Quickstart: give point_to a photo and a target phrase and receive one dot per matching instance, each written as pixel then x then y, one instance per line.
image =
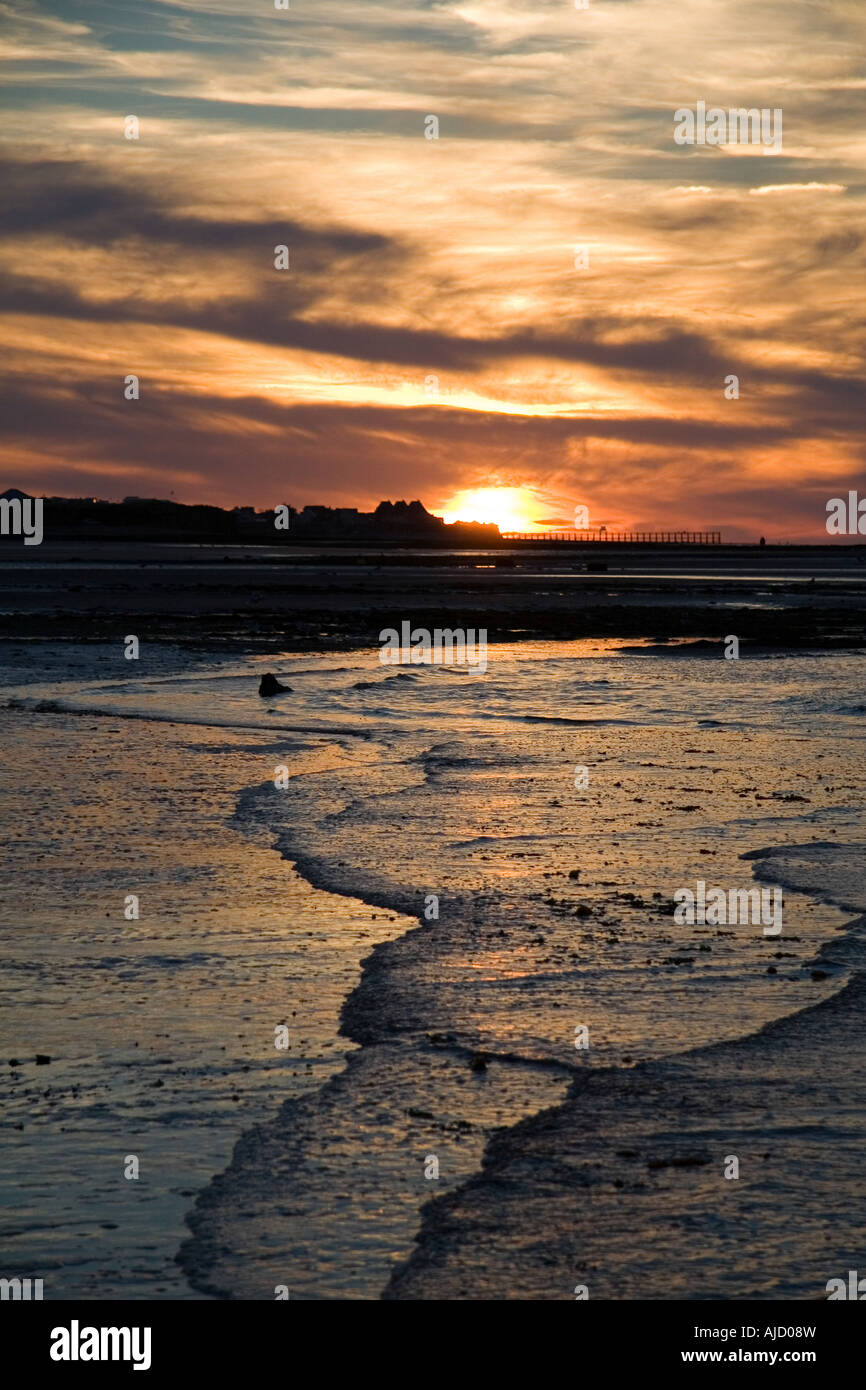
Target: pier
pixel 619 537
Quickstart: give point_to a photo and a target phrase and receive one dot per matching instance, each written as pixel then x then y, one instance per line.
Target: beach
pixel 286 856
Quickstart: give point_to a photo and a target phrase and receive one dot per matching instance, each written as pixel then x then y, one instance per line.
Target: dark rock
pixel 271 686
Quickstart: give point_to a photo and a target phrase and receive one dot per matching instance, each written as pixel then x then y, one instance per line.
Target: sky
pixel 550 298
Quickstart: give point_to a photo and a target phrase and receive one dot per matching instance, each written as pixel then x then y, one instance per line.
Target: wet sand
pixel 467 1022
pixel 623 1188
pixel 429 1039
pixel 159 1030
pixel 292 599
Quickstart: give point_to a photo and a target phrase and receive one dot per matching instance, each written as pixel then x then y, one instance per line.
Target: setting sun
pixel 511 508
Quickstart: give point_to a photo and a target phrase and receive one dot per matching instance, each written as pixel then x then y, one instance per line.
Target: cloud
pixel 798 188
pixel 412 257
pixel 86 207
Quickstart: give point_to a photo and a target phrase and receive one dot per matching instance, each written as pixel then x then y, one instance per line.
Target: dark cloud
pixel 268 319
pixel 167 430
pixel 49 196
pixel 69 198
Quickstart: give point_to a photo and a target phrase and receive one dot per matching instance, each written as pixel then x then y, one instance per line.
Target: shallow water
pixel 156 778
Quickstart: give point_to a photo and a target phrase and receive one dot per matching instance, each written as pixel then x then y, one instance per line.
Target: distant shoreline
pixel 78 539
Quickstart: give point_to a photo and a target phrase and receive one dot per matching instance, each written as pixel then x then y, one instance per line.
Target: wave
pixel 34 705
pixel 626 1179
pixel 428 1003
